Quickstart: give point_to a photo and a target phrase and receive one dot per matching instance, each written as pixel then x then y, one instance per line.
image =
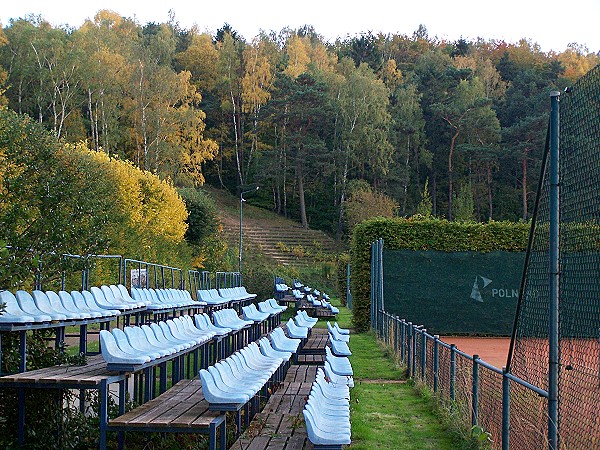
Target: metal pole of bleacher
pixel 242 200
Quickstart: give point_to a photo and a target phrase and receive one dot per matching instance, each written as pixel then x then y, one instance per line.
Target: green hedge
pixel 341 274
pixel 421 233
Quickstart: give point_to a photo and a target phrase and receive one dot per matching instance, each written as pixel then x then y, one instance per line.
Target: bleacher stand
pixel 131 349
pixel 281 289
pixel 243 377
pixel 327 410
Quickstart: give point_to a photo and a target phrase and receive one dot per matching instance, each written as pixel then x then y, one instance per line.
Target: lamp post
pixel 242 200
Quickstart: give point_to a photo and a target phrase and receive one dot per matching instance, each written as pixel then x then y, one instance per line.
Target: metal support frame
pixel 505 410
pixel 475 392
pixel 157 269
pixel 242 200
pixel 554 273
pixel 85 272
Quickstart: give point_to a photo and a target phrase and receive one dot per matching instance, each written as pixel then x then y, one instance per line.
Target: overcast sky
pixel 552 24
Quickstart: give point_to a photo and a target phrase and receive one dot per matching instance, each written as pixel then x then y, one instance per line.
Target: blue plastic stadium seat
pixel 295 331
pixel 30 307
pixel 339 348
pixel 251 313
pixel 282 343
pixel 69 303
pixel 203 322
pixel 333 332
pixel 14 314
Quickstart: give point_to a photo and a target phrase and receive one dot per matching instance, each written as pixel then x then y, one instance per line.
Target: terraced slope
pixel 281 239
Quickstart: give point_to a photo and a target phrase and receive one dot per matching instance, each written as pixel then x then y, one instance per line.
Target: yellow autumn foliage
pixel 148 219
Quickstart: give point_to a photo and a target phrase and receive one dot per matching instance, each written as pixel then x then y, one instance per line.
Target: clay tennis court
pixel 493 350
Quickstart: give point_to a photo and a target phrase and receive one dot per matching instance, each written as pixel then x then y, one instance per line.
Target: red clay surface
pixel 493 350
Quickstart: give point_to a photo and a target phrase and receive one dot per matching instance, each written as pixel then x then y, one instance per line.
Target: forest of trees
pixel 312 122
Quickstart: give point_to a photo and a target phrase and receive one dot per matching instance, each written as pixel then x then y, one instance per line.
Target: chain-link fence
pixel 517 405
pixel 579 280
pixel 476 393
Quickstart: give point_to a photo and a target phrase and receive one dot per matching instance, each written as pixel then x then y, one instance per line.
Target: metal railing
pixel 85 271
pixel 199 281
pixel 163 276
pixel 477 393
pixel 228 279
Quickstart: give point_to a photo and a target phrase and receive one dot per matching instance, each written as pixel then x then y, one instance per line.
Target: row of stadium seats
pixel 327 410
pixel 99 302
pixel 160 299
pixel 299 291
pixel 224 295
pixel 239 377
pixel 236 293
pixel 339 338
pixel 322 303
pixel 282 287
pixel 138 345
pixel 43 307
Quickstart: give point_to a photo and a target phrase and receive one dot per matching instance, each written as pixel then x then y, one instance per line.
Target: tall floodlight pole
pixel 554 253
pixel 242 200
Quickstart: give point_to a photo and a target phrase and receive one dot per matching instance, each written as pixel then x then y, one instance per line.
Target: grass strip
pixel 386 411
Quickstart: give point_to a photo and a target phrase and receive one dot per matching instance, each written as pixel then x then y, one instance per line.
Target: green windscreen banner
pixel 453 293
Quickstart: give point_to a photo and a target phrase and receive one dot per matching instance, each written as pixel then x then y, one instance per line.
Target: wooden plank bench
pixel 280 425
pixel 181 409
pixel 318 360
pixel 322 313
pixel 94 375
pixel 315 345
pixel 287 300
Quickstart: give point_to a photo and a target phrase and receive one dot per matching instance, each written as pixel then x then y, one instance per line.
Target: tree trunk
pixel 433 194
pixel 489 186
pixel 234 117
pixel 343 198
pixel 450 173
pixel 300 178
pixel 92 123
pixel 105 144
pixel 524 185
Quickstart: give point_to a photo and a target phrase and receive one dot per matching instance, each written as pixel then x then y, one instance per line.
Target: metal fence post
pixel 505 411
pixel 395 335
pixel 436 362
pixel 409 348
pixel 372 296
pixel 475 392
pixel 380 285
pixel 554 254
pixel 388 318
pixel 423 353
pixel 414 351
pixel 402 340
pixel 452 369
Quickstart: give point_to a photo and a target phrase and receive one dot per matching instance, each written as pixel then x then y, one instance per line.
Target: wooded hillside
pixel 307 120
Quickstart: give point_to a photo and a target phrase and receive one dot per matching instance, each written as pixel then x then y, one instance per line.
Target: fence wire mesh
pixel 513 406
pixel 490 401
pixel 579 309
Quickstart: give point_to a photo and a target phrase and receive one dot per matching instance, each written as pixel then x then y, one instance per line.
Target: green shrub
pixel 203 220
pixel 423 233
pixel 342 264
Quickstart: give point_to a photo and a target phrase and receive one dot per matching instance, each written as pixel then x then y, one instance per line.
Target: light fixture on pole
pixel 242 200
